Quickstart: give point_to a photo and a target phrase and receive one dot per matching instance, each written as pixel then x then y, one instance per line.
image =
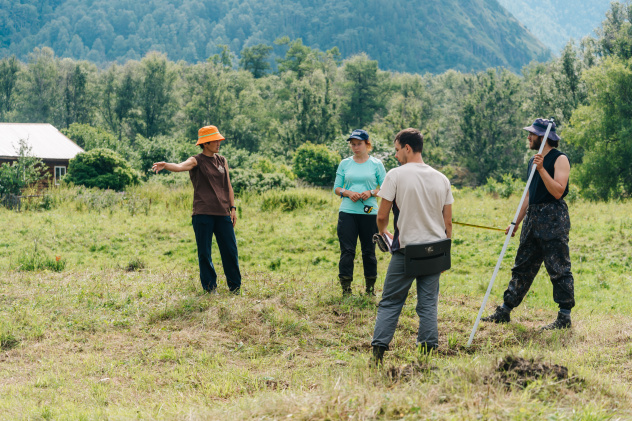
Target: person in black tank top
pixel 213 209
pixel 544 236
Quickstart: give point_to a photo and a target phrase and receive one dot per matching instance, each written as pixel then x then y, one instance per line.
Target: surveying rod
pixel 511 230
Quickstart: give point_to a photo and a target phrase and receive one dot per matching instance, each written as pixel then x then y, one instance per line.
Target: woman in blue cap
pixel 358 179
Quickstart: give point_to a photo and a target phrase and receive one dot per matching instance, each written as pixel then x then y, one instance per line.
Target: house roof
pixel 46 141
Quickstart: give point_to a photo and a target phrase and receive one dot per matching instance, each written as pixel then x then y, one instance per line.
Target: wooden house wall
pixel 49 176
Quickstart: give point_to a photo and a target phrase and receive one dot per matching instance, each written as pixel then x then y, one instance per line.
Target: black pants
pixel 204 227
pixel 544 238
pixel 350 227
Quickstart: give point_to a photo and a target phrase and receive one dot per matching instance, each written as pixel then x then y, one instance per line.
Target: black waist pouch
pixel 428 259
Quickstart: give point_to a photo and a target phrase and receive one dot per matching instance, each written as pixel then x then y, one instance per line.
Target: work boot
pixel 345 283
pixel 370 286
pixel 563 321
pixel 501 315
pixel 378 355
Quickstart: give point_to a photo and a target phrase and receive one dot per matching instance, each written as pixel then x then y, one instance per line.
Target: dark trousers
pixel 204 227
pixel 544 238
pixel 350 227
pixel 396 287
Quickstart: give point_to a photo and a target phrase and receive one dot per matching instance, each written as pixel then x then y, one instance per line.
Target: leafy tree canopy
pixel 400 34
pixel 316 164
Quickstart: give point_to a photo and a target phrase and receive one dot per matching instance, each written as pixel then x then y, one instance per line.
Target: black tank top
pixel 537 190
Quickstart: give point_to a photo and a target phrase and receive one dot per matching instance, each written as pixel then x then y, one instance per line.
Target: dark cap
pixel 539 127
pixel 358 134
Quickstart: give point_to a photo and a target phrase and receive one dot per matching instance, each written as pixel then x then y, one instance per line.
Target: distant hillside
pixel 403 35
pixel 555 22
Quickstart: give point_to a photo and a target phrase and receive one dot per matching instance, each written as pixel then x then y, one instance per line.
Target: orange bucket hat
pixel 208 134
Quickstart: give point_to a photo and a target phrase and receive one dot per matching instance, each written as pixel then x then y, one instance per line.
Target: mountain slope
pixel 555 22
pixel 403 35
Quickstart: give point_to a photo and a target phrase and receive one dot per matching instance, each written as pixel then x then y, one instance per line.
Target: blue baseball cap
pixel 358 134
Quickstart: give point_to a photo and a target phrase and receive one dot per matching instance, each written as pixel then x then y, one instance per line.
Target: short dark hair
pixel 411 137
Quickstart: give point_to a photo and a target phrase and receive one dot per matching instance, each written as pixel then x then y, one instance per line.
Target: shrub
pixel 504 188
pixel 97 199
pixel 89 137
pixel 316 164
pixel 163 148
pixel 102 168
pixel 244 180
pixel 135 264
pixel 7 339
pixel 291 200
pixel 21 173
pixel 36 261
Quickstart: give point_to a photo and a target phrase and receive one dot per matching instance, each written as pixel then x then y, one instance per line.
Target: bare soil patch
pixel 517 371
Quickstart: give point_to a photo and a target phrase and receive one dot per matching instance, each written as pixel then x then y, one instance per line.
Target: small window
pixel 60 172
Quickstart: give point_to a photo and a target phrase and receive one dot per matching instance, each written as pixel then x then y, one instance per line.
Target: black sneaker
pixel 563 321
pixel 236 291
pixel 378 355
pixel 500 316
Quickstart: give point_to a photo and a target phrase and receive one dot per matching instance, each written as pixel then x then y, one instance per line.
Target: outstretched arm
pixel 187 165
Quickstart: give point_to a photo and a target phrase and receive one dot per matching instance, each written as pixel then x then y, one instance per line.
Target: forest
pixel 150 109
pixel 400 35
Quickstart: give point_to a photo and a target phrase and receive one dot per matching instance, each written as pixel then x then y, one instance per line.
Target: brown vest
pixel 210 186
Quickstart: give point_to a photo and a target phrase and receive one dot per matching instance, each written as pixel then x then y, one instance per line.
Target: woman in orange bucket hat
pixel 213 208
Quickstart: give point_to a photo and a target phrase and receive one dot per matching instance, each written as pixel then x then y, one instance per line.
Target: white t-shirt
pixel 419 193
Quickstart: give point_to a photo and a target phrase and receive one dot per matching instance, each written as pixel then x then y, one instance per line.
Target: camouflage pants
pixel 544 238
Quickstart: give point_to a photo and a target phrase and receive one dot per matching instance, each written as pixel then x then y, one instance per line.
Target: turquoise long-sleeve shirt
pixel 359 178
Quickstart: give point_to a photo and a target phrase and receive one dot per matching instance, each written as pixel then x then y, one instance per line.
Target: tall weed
pixel 291 200
pixel 31 262
pixel 505 187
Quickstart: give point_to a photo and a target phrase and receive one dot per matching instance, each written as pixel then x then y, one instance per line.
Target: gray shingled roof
pixel 45 140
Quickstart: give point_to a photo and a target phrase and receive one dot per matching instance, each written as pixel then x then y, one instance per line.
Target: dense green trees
pixel 491 119
pixel 150 109
pixel 255 59
pixel 604 130
pixel 400 34
pixel 8 77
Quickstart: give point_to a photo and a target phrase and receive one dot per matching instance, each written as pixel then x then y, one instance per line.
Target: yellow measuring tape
pixel 478 226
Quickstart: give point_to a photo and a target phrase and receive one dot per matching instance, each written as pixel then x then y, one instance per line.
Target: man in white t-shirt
pixel 421 200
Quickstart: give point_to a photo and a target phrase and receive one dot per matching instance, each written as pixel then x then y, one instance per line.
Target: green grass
pixel 98 341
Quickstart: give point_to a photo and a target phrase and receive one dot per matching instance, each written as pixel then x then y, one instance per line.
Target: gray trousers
pixel 396 287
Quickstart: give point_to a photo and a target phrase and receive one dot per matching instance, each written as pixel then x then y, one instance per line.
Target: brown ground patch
pixel 408 371
pixel 517 371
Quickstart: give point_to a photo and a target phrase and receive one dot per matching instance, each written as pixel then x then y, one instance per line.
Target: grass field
pixel 102 316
